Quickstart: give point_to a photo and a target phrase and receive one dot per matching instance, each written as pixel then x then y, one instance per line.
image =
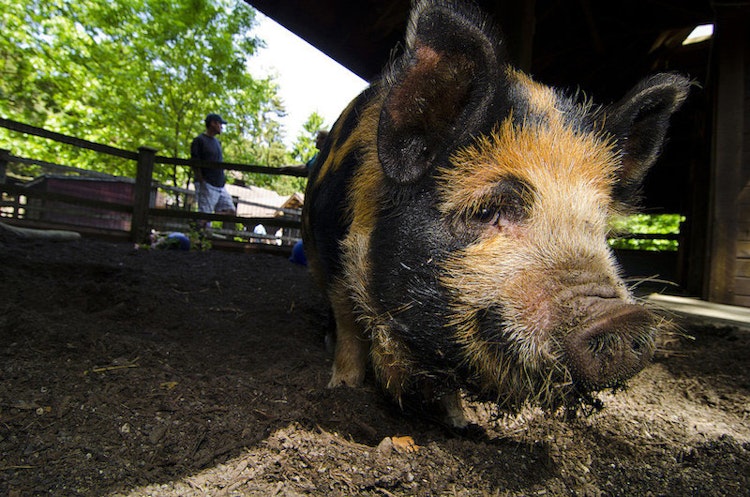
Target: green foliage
pixel 645 224
pixel 274 154
pixel 304 148
pixel 133 73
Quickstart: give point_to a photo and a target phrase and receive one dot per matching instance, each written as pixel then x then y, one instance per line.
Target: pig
pixel 457 219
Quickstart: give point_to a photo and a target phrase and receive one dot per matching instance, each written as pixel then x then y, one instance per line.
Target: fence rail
pixel 25 203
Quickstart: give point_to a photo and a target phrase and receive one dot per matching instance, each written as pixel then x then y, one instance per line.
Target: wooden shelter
pixel 603 49
pixel 116 190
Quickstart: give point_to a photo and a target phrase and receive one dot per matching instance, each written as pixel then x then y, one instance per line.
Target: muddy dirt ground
pixel 159 373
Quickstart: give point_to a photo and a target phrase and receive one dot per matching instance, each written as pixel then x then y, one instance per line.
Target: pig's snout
pixel 612 345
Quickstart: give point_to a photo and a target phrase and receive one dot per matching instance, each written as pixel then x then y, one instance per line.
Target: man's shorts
pixel 213 198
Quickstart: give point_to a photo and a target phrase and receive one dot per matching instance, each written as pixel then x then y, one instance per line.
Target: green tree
pixel 130 73
pixel 304 147
pixel 645 224
pixel 302 151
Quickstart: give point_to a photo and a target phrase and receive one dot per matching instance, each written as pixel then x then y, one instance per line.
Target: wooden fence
pixel 20 202
pixel 142 213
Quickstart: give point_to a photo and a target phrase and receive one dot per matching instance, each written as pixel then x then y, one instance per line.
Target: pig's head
pixel 502 188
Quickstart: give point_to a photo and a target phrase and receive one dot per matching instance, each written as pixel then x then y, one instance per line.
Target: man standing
pixel 209 182
pixel 320 139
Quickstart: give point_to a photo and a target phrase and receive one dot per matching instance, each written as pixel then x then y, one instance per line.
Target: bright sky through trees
pixel 309 81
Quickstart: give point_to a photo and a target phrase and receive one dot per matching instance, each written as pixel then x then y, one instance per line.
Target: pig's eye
pixel 507 204
pixel 486 215
pixel 508 210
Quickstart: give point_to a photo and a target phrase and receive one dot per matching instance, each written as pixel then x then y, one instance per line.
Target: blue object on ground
pixel 298 254
pixel 180 241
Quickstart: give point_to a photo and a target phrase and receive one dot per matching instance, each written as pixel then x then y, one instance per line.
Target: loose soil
pixel 130 372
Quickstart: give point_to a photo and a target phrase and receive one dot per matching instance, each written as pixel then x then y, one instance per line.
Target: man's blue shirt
pixel 208 148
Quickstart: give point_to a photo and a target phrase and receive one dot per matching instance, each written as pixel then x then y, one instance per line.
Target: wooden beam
pixel 726 168
pixel 518 20
pixel 59 137
pixel 596 39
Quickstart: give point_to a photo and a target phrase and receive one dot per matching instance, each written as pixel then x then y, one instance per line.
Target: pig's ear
pixel 639 123
pixel 439 90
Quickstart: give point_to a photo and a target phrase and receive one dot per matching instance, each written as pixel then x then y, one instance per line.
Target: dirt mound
pixel 130 372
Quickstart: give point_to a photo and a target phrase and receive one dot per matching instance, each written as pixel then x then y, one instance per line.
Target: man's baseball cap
pixel 214 117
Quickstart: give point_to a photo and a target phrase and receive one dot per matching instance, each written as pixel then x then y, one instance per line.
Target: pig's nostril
pixel 611 347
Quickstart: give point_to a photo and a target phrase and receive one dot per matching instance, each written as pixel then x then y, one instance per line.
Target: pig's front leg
pixel 453 410
pixel 352 346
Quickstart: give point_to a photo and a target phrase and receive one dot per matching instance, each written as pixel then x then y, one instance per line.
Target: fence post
pixel 142 195
pixel 4 159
